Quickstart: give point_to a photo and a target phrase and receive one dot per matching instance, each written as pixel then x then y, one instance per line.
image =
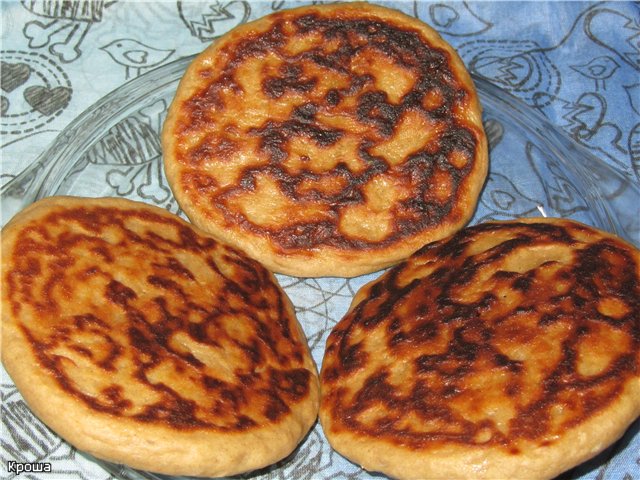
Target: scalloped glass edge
pixel 47 172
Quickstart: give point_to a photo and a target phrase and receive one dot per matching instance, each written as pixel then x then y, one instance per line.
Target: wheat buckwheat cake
pixel 327 140
pixel 143 341
pixel 509 350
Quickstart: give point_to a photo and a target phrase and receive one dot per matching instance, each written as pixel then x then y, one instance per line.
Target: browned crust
pixel 142 340
pixel 509 347
pixel 308 136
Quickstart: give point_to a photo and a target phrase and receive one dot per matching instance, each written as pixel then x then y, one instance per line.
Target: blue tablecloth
pixel 577 63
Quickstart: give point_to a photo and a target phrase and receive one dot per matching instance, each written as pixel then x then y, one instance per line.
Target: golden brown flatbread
pixel 329 140
pixel 144 341
pixel 509 350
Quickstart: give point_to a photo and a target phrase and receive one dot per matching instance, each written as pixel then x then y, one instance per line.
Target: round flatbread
pixel 509 350
pixel 143 341
pixel 329 140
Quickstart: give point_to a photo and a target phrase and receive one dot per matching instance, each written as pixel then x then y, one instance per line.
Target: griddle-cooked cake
pixel 327 140
pixel 510 350
pixel 143 341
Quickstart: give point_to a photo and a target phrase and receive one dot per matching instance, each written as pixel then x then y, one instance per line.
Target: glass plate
pixel 113 149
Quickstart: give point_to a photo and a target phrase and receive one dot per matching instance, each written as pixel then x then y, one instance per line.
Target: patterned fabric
pixel 577 63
